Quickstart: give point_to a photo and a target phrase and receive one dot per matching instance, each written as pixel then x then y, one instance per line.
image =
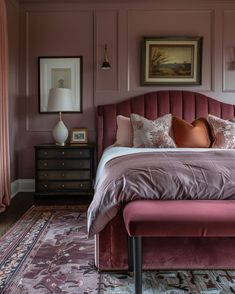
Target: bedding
pixel 124 136
pixel 186 135
pixel 223 132
pixel 152 133
pixel 194 135
pixel 127 174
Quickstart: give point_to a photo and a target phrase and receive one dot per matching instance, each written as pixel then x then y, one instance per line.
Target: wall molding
pixel 22 185
pixel 14 3
pixel 210 15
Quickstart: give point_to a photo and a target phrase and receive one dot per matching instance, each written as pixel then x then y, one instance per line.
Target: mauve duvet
pixel 162 175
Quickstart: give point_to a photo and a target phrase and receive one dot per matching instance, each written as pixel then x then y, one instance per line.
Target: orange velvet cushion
pixel 195 135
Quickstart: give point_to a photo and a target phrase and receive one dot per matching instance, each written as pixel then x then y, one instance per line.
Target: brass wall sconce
pixel 232 63
pixel 105 64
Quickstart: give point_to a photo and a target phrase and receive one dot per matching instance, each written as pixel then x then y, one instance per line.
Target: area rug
pixel 47 251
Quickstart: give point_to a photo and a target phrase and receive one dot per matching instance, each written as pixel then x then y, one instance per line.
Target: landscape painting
pixel 171 61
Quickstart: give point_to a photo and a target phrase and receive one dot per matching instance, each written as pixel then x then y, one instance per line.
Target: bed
pixel 173 253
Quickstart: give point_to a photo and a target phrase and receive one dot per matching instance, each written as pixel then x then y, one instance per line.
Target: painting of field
pixel 171 61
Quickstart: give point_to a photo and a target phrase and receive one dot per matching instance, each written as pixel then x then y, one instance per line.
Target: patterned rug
pixel 47 251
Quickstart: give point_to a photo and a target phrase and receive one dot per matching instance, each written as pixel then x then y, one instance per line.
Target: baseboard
pixel 22 185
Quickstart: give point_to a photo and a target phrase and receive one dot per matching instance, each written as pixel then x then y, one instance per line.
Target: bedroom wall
pixel 13 45
pixel 60 28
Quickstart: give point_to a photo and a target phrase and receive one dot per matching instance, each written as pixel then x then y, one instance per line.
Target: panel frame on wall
pixel 106 28
pixel 27 92
pixel 202 87
pixel 227 70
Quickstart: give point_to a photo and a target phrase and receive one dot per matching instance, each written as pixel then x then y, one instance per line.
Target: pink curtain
pixel 4 127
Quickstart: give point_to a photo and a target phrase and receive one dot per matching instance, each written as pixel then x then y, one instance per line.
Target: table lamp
pixel 60 99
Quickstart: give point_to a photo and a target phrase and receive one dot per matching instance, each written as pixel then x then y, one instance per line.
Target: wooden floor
pixel 19 205
pixel 23 201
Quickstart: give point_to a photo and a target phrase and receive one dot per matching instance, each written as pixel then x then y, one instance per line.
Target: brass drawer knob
pixel 45 164
pixel 45 186
pixel 62 186
pixel 63 164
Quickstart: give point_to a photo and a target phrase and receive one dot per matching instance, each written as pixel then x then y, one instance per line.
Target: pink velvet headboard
pixel 184 104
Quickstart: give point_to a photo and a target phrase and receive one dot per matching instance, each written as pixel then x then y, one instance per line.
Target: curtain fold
pixel 4 113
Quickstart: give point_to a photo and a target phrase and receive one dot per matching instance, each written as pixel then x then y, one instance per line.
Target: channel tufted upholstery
pixel 186 252
pixel 184 104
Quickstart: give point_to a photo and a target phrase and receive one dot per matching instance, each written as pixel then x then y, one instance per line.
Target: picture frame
pixel 79 136
pixel 60 72
pixel 171 61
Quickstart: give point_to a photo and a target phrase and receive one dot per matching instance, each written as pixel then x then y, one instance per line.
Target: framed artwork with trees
pixel 171 61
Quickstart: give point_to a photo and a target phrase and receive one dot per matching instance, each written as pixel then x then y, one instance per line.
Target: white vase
pixel 60 133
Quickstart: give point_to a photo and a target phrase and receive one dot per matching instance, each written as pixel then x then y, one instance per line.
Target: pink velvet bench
pixel 174 218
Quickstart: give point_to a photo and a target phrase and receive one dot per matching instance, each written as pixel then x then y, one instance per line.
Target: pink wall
pixel 82 28
pixel 13 45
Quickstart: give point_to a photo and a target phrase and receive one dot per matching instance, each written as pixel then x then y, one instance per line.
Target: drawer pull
pixel 80 163
pixel 80 152
pixel 45 186
pixel 62 163
pixel 62 186
pixel 45 152
pixel 45 164
pixel 45 175
pixel 63 153
pixel 81 185
pixel 63 175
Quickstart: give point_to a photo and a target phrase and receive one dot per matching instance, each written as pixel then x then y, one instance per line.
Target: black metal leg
pixel 130 254
pixel 137 256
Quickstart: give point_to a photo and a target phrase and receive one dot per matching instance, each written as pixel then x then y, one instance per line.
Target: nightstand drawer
pixel 63 186
pixel 65 170
pixel 64 153
pixel 64 175
pixel 63 164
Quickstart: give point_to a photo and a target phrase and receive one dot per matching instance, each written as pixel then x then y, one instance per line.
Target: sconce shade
pixel 105 64
pixel 60 99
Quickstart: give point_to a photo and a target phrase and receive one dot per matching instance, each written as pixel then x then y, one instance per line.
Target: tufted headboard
pixel 185 104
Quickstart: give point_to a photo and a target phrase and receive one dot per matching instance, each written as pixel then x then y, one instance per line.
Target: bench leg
pixel 130 254
pixel 137 256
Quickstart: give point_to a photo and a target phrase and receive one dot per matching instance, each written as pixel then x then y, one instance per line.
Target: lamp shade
pixel 60 99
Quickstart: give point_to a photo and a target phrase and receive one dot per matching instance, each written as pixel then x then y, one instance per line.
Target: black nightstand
pixel 64 170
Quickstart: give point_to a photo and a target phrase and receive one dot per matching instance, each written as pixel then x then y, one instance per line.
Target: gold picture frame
pixel 171 61
pixel 79 136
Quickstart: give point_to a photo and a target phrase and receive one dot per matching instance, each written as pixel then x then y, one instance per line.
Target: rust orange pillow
pixel 194 135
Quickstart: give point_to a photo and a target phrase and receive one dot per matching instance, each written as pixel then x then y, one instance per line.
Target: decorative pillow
pixel 152 133
pixel 124 136
pixel 232 119
pixel 195 135
pixel 223 132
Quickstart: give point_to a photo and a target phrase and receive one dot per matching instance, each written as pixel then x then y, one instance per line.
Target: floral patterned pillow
pixel 152 133
pixel 223 132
